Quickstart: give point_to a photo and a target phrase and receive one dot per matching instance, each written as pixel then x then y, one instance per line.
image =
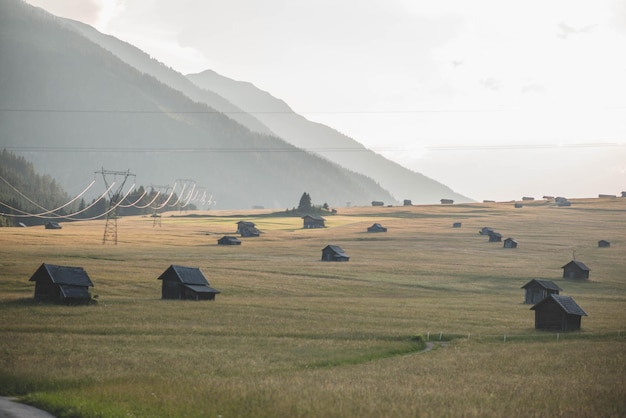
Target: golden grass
pixel 293 336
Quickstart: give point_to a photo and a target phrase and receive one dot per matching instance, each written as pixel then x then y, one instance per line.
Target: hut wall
pixel 549 316
pixel 171 290
pixel 574 272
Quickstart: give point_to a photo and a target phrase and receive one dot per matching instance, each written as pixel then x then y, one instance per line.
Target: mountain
pixel 325 141
pixel 71 107
pixel 260 112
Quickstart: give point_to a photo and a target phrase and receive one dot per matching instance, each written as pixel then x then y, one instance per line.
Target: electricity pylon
pixel 156 217
pixel 110 227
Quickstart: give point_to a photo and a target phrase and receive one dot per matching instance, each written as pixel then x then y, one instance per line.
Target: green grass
pixel 293 336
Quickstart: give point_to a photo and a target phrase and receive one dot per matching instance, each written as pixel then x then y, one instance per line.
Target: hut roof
pixel 336 249
pixel 186 275
pixel 579 264
pixel 567 303
pixel 546 284
pixel 63 275
pixel 315 218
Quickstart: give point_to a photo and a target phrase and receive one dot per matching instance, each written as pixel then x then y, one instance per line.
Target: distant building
pixel 510 243
pixel 485 230
pixel 378 203
pixel 537 290
pixel 576 270
pixel 456 225
pixel 334 253
pixel 377 228
pixel 518 205
pixel 558 313
pixel 528 198
pixel 247 229
pixel 61 284
pixel 495 237
pixel 604 244
pixel 407 202
pixel 53 225
pixel 446 201
pixel 228 240
pixel 606 196
pixel 186 283
pixel 310 221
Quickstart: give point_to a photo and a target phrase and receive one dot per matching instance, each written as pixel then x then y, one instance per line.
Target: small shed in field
pixel 310 221
pixel 576 270
pixel 53 225
pixel 378 203
pixel 558 313
pixel 377 228
pixel 247 229
pixel 495 237
pixel 456 225
pixel 537 290
pixel 510 243
pixel 228 240
pixel 604 243
pixel 485 230
pixel 61 284
pixel 408 202
pixel 334 253
pixel 185 283
pixel 446 201
pixel 518 205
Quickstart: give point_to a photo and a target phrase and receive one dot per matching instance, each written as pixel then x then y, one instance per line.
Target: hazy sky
pixel 495 98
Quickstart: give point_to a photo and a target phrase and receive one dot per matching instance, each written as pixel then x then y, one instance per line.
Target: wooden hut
pixel 485 230
pixel 378 203
pixel 510 243
pixel 576 270
pixel 310 221
pixel 558 313
pixel 247 229
pixel 334 253
pixel 61 284
pixel 495 237
pixel 408 202
pixel 456 225
pixel 376 228
pixel 446 201
pixel 518 205
pixel 604 244
pixel 186 283
pixel 537 290
pixel 228 240
pixel 53 225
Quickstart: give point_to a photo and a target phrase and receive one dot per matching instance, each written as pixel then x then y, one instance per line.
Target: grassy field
pixel 291 336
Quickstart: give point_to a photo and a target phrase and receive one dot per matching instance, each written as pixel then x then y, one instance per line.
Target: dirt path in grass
pixel 10 408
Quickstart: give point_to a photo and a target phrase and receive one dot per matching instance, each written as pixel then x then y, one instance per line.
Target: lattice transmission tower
pixel 156 216
pixel 110 227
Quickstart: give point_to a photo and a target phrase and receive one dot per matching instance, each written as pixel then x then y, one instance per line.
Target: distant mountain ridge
pixel 75 100
pixel 325 141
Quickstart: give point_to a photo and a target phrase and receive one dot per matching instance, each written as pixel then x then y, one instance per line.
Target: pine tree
pixel 305 203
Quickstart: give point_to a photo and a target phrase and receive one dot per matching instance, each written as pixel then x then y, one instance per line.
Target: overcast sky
pixel 494 98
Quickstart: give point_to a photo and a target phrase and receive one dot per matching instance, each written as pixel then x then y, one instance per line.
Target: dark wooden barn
pixel 510 243
pixel 228 240
pixel 310 221
pixel 537 290
pixel 485 230
pixel 378 203
pixel 247 229
pixel 518 205
pixel 53 225
pixel 446 201
pixel 186 283
pixel 334 253
pixel 495 236
pixel 576 270
pixel 456 225
pixel 558 313
pixel 61 284
pixel 604 244
pixel 408 202
pixel 376 228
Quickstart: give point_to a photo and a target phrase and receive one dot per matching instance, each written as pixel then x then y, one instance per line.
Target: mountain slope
pixel 72 108
pixel 297 130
